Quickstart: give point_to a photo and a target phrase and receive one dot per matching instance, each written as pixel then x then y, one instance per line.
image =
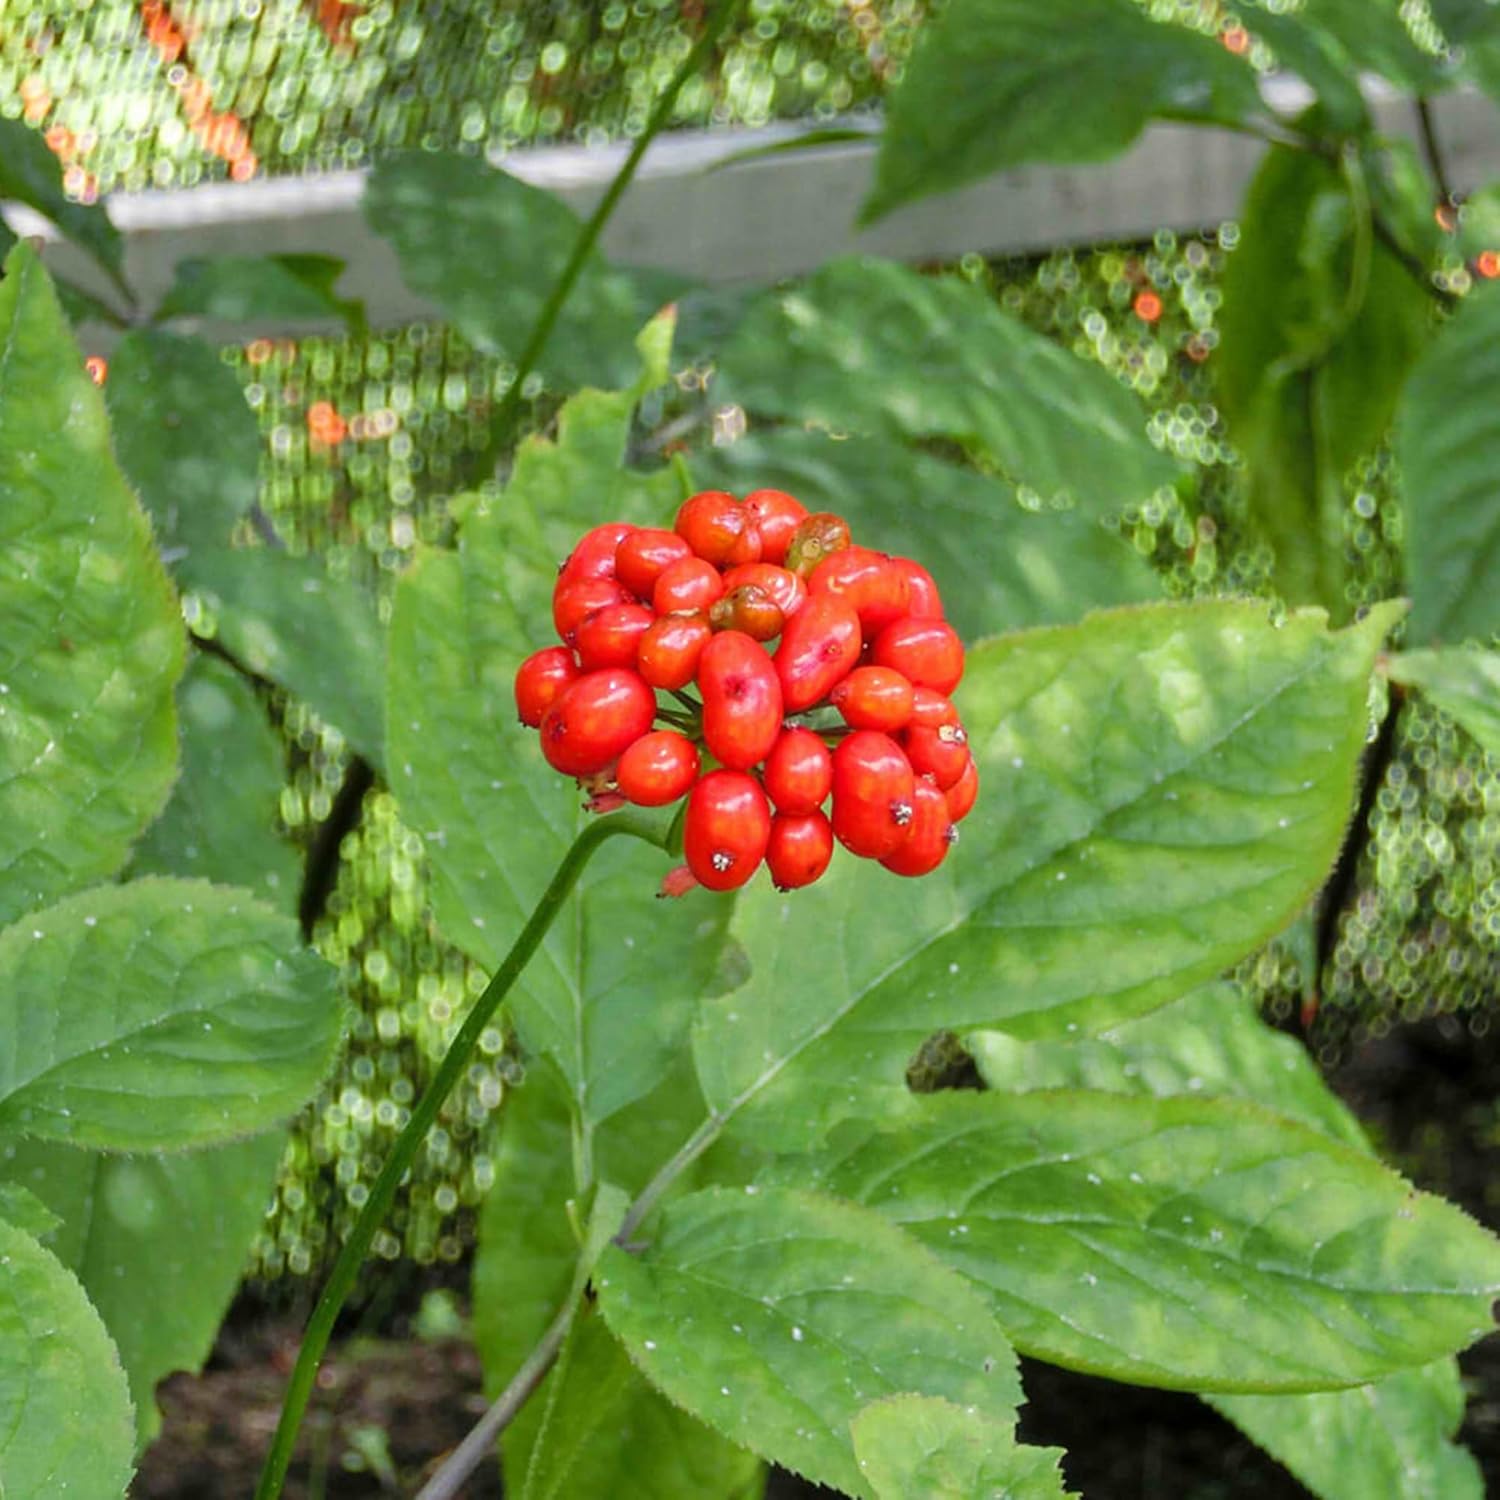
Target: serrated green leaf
pixel 259 288
pixel 999 566
pixel 177 1014
pixel 1199 1244
pixel 158 1242
pixel 1390 1438
pixel 288 619
pixel 994 84
pixel 184 436
pixel 220 823
pixel 65 1421
pixel 1464 684
pixel 776 1315
pixel 1162 789
pixel 436 208
pixel 21 1208
pixel 1448 447
pixel 872 346
pixel 91 640
pixel 923 1445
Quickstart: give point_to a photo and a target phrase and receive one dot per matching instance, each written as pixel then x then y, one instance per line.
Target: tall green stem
pixel 409 1142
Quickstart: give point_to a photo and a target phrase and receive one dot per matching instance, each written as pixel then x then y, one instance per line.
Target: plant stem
pixel 409 1142
pixel 1432 149
pixel 505 414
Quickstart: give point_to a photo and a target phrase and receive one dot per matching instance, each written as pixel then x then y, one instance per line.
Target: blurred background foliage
pixel 364 438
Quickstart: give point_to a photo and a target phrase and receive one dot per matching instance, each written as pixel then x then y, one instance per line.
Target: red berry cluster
pixel 851 704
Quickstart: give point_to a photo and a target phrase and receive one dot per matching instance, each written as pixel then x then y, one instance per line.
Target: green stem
pixel 505 414
pixel 409 1142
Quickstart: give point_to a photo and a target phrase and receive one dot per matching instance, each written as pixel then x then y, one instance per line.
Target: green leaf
pixel 65 1421
pixel 221 821
pixel 1318 330
pixel 436 209
pixel 91 640
pixel 185 438
pixel 31 174
pixel 998 565
pixel 1210 1042
pixel 1362 36
pixel 1391 1438
pixel 1199 1244
pixel 1464 684
pixel 159 1243
pixel 318 637
pixel 1448 447
pixel 872 346
pixel 23 1209
pixel 178 1014
pixel 994 84
pixel 923 1445
pixel 259 289
pixel 1166 786
pixel 776 1315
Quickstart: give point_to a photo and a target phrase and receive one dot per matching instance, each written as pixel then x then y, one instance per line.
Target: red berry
pixel 817 536
pixel 643 554
pixel 611 637
pixel 596 718
pixel 819 646
pixel 575 599
pixel 799 849
pixel 925 602
pixel 658 768
pixel 670 649
pixel 928 838
pixel 749 609
pixel 962 794
pixel 540 679
pixel 870 581
pixel 872 794
pixel 714 524
pixel 741 700
pixel 931 709
pixel 874 698
pixel 929 652
pixel 594 556
pixel 798 773
pixel 727 827
pixel 940 753
pixel 687 584
pixel 789 591
pixel 776 516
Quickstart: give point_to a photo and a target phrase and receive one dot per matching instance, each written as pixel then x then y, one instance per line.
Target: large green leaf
pixel 1203 1244
pixel 1162 789
pixel 220 822
pixel 162 1013
pixel 1000 567
pixel 91 641
pixel 1358 36
pixel 1390 1438
pixel 922 1445
pixel 776 1315
pixel 159 1243
pixel 65 1421
pixel 1448 446
pixel 993 84
pixel 1464 684
pixel 259 289
pixel 185 437
pixel 488 249
pixel 872 346
pixel 1319 327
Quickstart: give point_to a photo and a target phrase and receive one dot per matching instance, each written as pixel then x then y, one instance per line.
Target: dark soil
pixel 389 1408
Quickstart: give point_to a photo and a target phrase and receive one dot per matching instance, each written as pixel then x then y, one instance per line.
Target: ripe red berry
pixel 798 773
pixel 872 794
pixel 817 536
pixel 940 753
pixel 962 794
pixel 741 700
pixel 925 602
pixel 594 719
pixel 928 838
pixel 641 557
pixel 611 637
pixel 658 768
pixel 929 652
pixel 799 849
pixel 931 709
pixel 726 829
pixel 717 527
pixel 777 515
pixel 870 581
pixel 749 609
pixel 575 599
pixel 789 591
pixel 874 698
pixel 819 646
pixel 670 649
pixel 594 556
pixel 687 584
pixel 540 679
